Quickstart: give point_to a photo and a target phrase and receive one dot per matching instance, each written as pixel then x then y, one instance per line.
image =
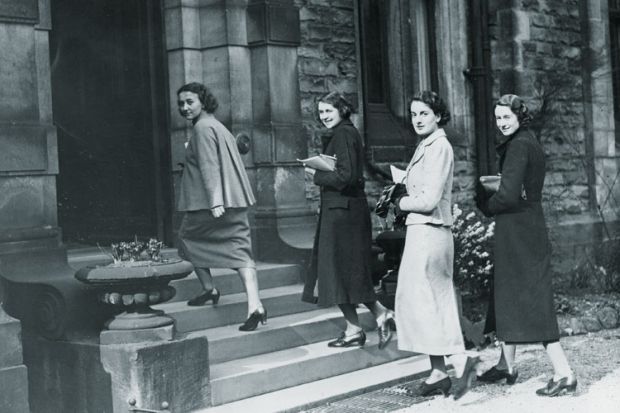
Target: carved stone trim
pixel 273 23
pixel 19 11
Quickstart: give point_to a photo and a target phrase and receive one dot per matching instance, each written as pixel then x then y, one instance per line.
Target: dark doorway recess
pixel 398 59
pixel 110 110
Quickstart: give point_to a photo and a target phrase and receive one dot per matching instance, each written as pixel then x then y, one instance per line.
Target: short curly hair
pixel 209 102
pixel 338 101
pixel 433 101
pixel 517 106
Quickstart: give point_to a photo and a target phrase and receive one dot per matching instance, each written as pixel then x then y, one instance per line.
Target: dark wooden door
pixel 397 60
pixel 109 106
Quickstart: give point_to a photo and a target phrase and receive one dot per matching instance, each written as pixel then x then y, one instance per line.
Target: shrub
pixel 473 251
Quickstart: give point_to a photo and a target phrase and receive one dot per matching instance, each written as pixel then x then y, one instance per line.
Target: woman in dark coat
pixel 340 269
pixel 215 194
pixel 523 296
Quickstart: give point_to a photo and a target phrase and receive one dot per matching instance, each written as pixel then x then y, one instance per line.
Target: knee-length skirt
pixel 223 242
pixel 426 309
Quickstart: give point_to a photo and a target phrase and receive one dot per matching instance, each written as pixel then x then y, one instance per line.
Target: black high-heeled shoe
pixel 442 386
pixel 357 339
pixel 252 322
pixel 494 375
pixel 463 384
pixel 385 330
pixel 213 295
pixel 557 388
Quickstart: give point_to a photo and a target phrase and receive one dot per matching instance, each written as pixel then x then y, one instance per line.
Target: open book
pixel 320 162
pixel 398 175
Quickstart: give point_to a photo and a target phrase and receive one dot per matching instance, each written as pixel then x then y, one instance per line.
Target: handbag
pixel 388 196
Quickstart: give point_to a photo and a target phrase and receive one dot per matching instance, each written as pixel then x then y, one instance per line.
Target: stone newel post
pixel 283 220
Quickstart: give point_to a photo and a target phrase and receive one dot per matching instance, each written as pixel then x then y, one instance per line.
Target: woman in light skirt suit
pixel 215 195
pixel 426 309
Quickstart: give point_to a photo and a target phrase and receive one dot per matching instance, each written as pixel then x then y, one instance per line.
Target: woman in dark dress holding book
pixel 340 268
pixel 522 306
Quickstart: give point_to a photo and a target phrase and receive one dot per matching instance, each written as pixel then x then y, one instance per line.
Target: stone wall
pixel 327 62
pixel 555 54
pixel 539 51
pixel 537 54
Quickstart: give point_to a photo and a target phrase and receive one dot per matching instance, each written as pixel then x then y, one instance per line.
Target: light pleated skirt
pixel 223 242
pixel 427 317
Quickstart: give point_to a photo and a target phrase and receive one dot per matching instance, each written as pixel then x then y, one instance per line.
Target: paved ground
pixel 595 358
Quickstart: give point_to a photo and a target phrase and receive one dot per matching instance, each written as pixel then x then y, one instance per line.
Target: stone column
pixel 36 279
pixel 206 42
pixel 284 222
pixel 28 159
pixel 599 116
pixel 246 52
pixel 452 40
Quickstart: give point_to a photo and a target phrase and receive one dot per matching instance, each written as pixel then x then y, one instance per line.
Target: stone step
pixel 228 343
pixel 246 377
pixel 232 308
pixel 269 275
pixel 331 389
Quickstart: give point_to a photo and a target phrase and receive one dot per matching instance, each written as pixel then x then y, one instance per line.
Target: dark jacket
pixel 342 245
pixel 523 296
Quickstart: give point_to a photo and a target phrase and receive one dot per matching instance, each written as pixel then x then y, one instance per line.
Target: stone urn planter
pixel 133 286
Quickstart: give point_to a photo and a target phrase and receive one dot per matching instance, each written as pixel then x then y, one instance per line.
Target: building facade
pixel 95 145
pixel 92 144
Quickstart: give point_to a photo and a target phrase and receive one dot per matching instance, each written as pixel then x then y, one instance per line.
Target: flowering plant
pixel 137 251
pixel 473 260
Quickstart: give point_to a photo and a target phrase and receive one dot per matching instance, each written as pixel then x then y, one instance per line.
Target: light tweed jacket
pixel 214 174
pixel 429 182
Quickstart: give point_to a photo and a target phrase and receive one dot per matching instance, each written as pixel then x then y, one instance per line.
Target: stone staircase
pixel 289 354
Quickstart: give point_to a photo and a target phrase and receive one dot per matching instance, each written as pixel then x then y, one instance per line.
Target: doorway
pixel 110 110
pixel 398 59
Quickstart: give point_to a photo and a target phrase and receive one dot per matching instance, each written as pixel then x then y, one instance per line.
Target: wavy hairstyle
pixel 517 106
pixel 338 101
pixel 209 102
pixel 433 101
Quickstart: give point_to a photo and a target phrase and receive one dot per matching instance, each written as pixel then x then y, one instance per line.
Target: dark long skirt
pixel 523 295
pixel 341 259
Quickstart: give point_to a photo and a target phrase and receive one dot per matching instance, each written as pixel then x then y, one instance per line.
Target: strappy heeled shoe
pixel 463 384
pixel 357 339
pixel 252 322
pixel 442 386
pixel 495 374
pixel 557 388
pixel 213 295
pixel 385 330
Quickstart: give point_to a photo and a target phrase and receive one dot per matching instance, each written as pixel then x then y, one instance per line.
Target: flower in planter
pixel 473 260
pixel 135 250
